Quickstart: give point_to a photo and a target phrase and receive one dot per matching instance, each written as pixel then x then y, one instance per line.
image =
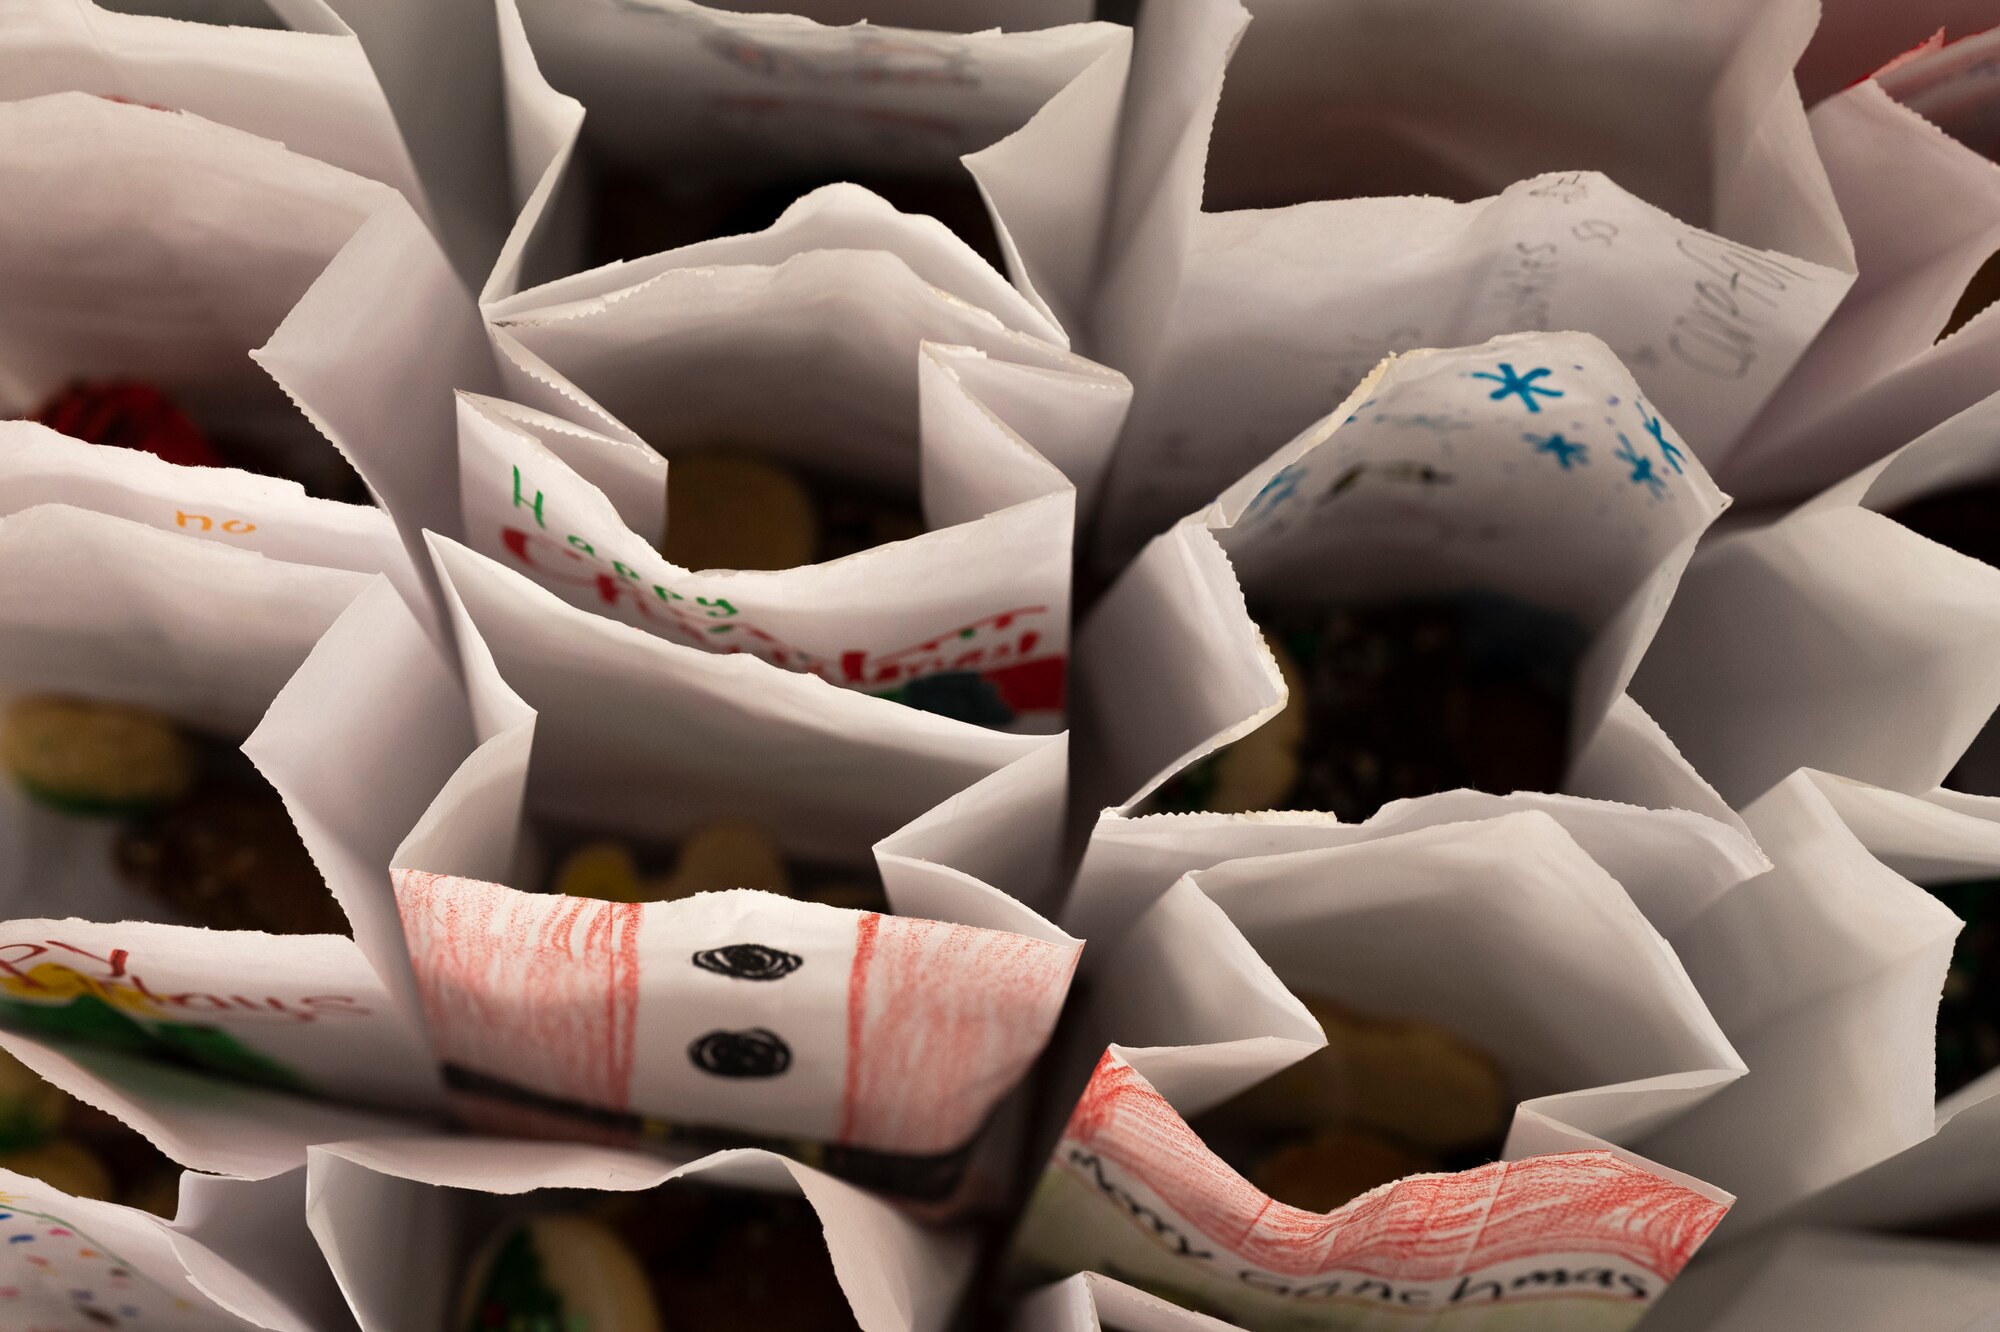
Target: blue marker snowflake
pixel 1642 468
pixel 1566 452
pixel 1515 384
pixel 1668 450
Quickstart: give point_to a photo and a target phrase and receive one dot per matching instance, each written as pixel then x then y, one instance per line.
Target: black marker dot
pixel 749 961
pixel 756 1052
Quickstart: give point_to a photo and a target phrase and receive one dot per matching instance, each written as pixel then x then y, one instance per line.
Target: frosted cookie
pixel 562 1273
pixel 129 414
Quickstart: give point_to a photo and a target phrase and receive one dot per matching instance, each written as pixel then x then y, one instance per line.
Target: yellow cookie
pixel 720 855
pixel 566 1272
pixel 603 870
pixel 1401 1076
pixel 1334 1167
pixel 731 511
pixel 1259 771
pixel 64 1164
pixel 1420 1082
pixel 94 758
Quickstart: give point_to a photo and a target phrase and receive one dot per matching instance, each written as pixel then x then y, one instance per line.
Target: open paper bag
pixel 1525 470
pixel 867 1011
pixel 1505 934
pixel 131 978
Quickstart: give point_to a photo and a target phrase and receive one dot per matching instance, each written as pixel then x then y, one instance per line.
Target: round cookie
pixel 64 1164
pixel 88 757
pixel 729 510
pixel 560 1273
pixel 1406 1077
pixel 1259 771
pixel 603 870
pixel 1333 1167
pixel 723 854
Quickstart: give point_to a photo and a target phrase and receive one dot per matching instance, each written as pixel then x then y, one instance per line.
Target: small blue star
pixel 1565 452
pixel 1671 452
pixel 1512 381
pixel 1642 468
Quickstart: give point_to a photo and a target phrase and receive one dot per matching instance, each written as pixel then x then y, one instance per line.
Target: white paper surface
pixel 435 62
pixel 76 1262
pixel 270 516
pixel 675 88
pixel 307 1014
pixel 1171 668
pixel 1596 1026
pixel 880 365
pixel 1673 863
pixel 1239 328
pixel 307 84
pixel 1831 967
pixel 1835 639
pixel 1924 212
pixel 399 1218
pixel 1841 1282
pixel 372 355
pixel 161 247
pixel 114 609
pixel 589 1012
pixel 1090 1301
pixel 1826 974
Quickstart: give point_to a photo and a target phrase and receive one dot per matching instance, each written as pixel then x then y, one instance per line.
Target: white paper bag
pixel 1421 484
pixel 343 82
pixel 871 366
pixel 165 248
pixel 881 1043
pixel 273 517
pixel 1834 638
pixel 231 1050
pixel 1090 1301
pixel 237 1256
pixel 678 91
pixel 303 80
pixel 1673 863
pixel 1842 1282
pixel 400 1219
pixel 154 245
pixel 1923 206
pixel 1506 933
pixel 1239 328
pixel 1826 973
pixel 841 285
